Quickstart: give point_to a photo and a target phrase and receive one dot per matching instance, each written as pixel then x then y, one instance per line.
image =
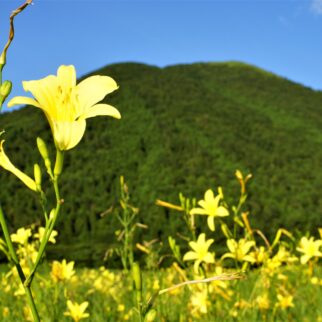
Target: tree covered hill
pixel 184 128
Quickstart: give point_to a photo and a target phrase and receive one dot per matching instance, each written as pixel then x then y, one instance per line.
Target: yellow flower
pixel 21 236
pixel 284 301
pixel 200 253
pixel 67 105
pixel 199 302
pixel 262 302
pixel 260 255
pixel 239 250
pixel 41 232
pixel 6 164
pixel 210 207
pixel 309 248
pixel 77 311
pixel 62 271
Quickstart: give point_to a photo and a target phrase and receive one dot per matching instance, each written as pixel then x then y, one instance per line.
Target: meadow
pixel 259 280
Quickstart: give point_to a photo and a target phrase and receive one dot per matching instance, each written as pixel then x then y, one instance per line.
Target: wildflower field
pixel 219 267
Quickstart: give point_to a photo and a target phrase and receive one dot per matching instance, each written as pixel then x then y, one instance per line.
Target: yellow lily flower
pixel 41 233
pixel 6 164
pixel 67 105
pixel 239 250
pixel 210 207
pixel 284 301
pixel 309 248
pixel 21 236
pixel 62 271
pixel 77 311
pixel 200 253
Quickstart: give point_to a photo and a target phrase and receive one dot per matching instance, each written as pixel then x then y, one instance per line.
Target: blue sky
pixel 284 37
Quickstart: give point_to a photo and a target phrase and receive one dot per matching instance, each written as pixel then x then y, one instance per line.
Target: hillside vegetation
pixel 184 128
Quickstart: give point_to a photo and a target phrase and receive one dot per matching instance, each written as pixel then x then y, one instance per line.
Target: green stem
pixel 48 230
pixel 15 260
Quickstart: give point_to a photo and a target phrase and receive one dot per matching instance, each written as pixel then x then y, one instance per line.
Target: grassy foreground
pixel 291 293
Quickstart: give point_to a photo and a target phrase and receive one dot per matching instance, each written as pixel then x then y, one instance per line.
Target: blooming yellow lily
pixel 62 271
pixel 309 248
pixel 239 250
pixel 6 164
pixel 67 105
pixel 77 311
pixel 210 206
pixel 200 252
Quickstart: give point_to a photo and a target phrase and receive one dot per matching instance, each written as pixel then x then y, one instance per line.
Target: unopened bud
pixel 42 148
pixel 52 214
pixel 136 275
pixel 44 153
pixel 2 60
pixel 59 163
pixel 37 174
pixel 5 89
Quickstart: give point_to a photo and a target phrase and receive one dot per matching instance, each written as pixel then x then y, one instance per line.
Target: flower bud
pixel 52 214
pixel 42 148
pixel 5 89
pixel 44 153
pixel 37 174
pixel 136 275
pixel 59 163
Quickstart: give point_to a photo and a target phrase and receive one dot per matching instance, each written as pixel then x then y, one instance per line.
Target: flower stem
pixel 14 259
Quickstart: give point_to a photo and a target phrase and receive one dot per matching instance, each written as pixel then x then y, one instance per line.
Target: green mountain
pixel 184 128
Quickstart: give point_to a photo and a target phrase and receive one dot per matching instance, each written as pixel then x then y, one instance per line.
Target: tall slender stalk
pixel 15 260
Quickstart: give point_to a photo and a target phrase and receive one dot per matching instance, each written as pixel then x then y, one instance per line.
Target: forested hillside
pixel 184 128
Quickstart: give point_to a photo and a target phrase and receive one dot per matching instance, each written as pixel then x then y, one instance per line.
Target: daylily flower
pixel 41 233
pixel 77 311
pixel 21 236
pixel 239 250
pixel 309 248
pixel 6 164
pixel 210 207
pixel 200 252
pixel 67 105
pixel 62 271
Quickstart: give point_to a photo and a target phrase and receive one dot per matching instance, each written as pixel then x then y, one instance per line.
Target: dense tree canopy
pixel 184 128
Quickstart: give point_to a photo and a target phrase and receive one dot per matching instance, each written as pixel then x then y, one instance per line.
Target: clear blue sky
pixel 281 36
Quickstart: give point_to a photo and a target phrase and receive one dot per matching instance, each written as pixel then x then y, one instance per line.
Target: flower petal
pixel 7 165
pixel 101 109
pixel 190 256
pixel 23 100
pixel 93 89
pixel 44 91
pixel 68 134
pixel 222 212
pixel 198 211
pixel 66 76
pixel 209 258
pixel 211 223
pixel 209 195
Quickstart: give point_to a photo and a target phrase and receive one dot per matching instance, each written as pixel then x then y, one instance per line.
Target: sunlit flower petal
pixel 67 105
pixel 6 164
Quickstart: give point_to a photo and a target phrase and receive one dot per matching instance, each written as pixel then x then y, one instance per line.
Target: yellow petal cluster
pixel 21 236
pixel 310 248
pixel 210 207
pixel 62 271
pixel 239 250
pixel 77 311
pixel 67 105
pixel 200 252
